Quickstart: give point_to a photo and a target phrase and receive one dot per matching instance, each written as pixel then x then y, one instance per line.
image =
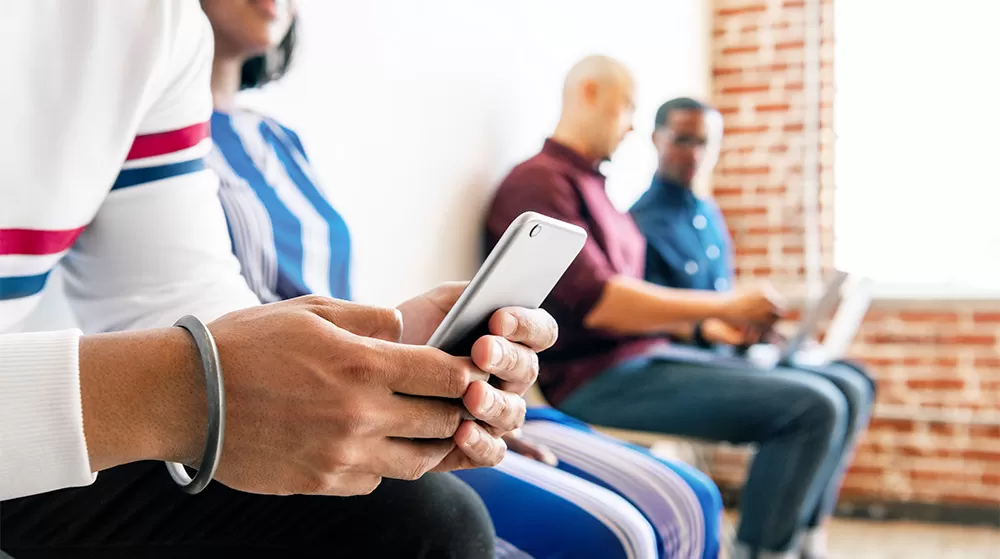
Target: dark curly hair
pixel 271 66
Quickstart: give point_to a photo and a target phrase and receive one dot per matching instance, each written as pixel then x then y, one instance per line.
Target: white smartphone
pixel 520 271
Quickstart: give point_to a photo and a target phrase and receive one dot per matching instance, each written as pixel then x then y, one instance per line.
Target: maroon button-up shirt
pixel 560 183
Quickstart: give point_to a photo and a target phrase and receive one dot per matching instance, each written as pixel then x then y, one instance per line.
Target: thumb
pixel 537 452
pixel 546 456
pixel 382 323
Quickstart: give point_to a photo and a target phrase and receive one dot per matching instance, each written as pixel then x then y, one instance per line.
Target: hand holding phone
pixel 494 320
pixel 526 263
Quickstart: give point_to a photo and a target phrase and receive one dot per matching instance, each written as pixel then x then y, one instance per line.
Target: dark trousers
pixel 136 511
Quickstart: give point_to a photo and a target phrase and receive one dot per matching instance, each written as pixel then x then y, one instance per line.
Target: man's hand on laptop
pixel 720 332
pixel 760 304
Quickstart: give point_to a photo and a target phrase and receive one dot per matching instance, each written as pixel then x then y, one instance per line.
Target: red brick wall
pixel 934 437
pixel 758 86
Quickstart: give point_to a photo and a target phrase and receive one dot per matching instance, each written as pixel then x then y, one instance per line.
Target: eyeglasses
pixel 688 141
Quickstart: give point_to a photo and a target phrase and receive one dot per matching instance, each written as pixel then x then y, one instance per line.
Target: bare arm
pixel 632 306
pixel 143 397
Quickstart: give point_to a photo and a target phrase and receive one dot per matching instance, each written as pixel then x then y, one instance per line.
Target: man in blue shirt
pixel 689 247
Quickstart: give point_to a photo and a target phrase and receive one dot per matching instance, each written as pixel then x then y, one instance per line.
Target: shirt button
pixel 699 222
pixel 721 284
pixel 712 252
pixel 691 267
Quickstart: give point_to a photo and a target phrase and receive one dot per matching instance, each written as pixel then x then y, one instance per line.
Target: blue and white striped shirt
pixel 288 237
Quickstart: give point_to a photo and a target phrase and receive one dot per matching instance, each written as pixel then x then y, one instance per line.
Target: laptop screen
pixel 848 319
pixel 815 314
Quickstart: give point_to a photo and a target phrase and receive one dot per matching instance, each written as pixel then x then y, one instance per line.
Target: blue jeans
pixel 804 421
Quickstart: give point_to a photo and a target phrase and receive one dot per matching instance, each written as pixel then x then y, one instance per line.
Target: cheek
pixel 241 28
pixel 255 32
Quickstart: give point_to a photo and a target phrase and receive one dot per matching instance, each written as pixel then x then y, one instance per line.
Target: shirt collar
pixel 565 153
pixel 673 191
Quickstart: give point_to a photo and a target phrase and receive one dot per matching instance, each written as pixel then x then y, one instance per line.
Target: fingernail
pixel 496 353
pixel 508 324
pixel 550 459
pixel 487 403
pixel 474 437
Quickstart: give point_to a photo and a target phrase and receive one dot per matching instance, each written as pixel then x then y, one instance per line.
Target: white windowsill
pixel 894 294
pixel 930 292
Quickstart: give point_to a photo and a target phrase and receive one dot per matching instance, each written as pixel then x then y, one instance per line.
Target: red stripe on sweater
pixel 36 242
pixel 161 143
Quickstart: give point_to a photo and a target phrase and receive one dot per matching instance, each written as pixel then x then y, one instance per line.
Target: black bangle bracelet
pixel 216 409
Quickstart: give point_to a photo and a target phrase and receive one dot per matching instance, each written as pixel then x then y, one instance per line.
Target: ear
pixel 658 138
pixel 590 91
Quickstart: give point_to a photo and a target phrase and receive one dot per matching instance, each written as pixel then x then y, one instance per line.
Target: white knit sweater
pixel 106 105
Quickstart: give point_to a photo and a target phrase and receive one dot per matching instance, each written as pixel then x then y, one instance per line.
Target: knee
pixel 857 387
pixel 862 383
pixel 825 409
pixel 450 519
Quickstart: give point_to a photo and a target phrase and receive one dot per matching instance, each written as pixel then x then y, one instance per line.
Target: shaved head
pixel 602 70
pixel 597 107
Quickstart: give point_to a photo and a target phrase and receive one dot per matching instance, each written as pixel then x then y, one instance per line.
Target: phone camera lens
pixel 535 231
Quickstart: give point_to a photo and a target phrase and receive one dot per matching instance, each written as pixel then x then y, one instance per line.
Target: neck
pixel 226 75
pixel 567 136
pixel 668 178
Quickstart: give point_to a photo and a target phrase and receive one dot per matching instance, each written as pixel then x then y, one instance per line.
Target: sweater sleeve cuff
pixel 42 445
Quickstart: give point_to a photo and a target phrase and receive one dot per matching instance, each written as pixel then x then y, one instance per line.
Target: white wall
pixel 413 110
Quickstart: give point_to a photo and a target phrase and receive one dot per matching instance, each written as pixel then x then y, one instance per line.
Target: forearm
pixel 143 397
pixel 631 306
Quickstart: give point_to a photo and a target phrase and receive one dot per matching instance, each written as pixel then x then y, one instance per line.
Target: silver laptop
pixel 854 294
pixel 816 313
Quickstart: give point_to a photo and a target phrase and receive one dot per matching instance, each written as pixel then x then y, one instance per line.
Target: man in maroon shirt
pixel 613 364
